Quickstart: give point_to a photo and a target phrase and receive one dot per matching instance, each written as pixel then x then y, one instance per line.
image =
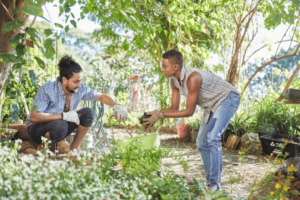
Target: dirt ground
pixel 243 176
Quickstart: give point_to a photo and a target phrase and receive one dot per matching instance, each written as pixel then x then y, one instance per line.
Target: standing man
pixel 55 117
pixel 219 99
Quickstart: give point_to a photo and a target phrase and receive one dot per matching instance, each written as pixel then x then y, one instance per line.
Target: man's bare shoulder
pixel 194 77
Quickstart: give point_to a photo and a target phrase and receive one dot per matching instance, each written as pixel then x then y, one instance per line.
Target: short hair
pixel 175 56
pixel 67 66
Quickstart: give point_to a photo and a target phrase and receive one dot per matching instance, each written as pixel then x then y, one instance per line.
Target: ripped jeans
pixel 209 138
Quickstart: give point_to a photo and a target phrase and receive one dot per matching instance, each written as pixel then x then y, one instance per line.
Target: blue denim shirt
pixel 51 98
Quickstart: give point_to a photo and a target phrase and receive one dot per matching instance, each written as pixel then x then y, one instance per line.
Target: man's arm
pixel 175 99
pixel 193 85
pixel 106 100
pixel 39 117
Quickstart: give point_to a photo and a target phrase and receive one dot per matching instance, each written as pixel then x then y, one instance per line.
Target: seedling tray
pixel 272 144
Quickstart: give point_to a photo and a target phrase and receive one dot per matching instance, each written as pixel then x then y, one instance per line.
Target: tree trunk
pixel 288 83
pixel 233 69
pixel 5 47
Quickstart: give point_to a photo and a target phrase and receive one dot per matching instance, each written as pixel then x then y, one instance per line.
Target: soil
pixel 245 176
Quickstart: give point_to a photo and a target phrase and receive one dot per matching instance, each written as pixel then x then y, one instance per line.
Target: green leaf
pixel 15 10
pixel 67 7
pixel 21 50
pixel 7 57
pixel 14 41
pixel 15 111
pixel 33 77
pixel 33 33
pixel 49 52
pixel 33 9
pixel 11 25
pixel 67 18
pixel 171 38
pixel 18 66
pixel 41 49
pixel 48 32
pixel 82 15
pixel 159 29
pixel 63 40
pixel 73 23
pixel 72 15
pixel 125 45
pixel 67 28
pixel 58 25
pixel 48 43
pixel 61 1
pixel 40 62
pixel 172 7
pixel 61 11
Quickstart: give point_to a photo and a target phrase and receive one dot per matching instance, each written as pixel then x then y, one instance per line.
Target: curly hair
pixel 67 66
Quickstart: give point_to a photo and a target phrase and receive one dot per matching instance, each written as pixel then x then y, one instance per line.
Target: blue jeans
pixel 209 138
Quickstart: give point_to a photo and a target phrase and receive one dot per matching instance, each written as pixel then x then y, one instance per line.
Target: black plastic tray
pixel 271 144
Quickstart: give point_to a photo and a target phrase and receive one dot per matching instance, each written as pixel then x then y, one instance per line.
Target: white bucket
pixel 86 144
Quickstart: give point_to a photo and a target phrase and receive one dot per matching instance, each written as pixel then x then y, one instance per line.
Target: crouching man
pixel 54 115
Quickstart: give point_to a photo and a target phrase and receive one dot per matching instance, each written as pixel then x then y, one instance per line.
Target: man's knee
pixel 59 130
pixel 86 117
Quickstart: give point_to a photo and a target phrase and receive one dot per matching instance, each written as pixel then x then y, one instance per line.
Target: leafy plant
pixel 13 102
pixel 239 125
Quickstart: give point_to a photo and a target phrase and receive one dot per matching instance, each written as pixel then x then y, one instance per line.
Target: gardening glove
pixel 120 113
pixel 154 117
pixel 71 116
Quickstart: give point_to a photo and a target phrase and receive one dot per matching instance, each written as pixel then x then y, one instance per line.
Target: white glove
pixel 120 113
pixel 71 116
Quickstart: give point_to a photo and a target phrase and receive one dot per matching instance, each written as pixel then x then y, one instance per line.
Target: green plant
pixel 17 92
pixel 194 121
pixel 277 114
pixel 239 125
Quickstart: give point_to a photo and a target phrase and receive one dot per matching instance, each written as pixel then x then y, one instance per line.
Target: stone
pixel 175 130
pixel 63 147
pixel 194 134
pixel 251 142
pixel 232 142
pixel 287 163
pixel 8 133
pixel 26 145
pixel 30 151
pixel 22 131
pixel 167 129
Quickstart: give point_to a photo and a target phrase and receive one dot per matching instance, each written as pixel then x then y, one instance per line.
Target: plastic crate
pixel 271 144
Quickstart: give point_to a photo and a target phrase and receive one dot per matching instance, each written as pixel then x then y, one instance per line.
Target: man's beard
pixel 69 90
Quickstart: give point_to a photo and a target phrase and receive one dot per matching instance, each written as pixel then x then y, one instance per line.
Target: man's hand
pixel 154 117
pixel 71 116
pixel 120 113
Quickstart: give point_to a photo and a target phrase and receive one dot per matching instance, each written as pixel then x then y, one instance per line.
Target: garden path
pixel 243 175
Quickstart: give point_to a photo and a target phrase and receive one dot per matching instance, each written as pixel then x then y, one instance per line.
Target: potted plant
pixel 287 128
pixel 194 122
pixel 265 117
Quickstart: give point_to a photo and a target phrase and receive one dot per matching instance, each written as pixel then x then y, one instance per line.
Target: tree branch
pixel 264 47
pixel 266 64
pixel 288 83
